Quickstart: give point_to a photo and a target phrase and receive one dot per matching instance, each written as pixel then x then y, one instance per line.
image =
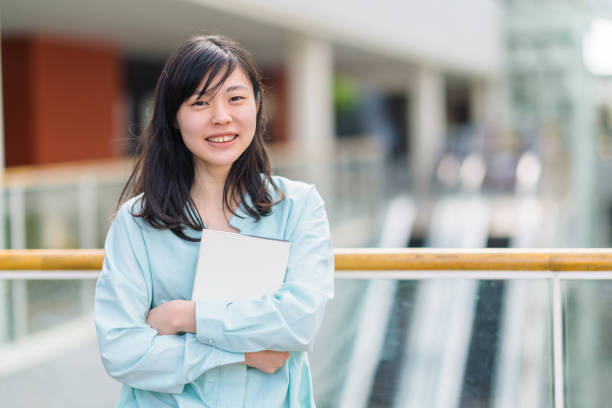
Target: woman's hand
pixel 267 361
pixel 173 317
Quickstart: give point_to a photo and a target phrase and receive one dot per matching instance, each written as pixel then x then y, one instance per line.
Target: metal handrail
pixel 362 259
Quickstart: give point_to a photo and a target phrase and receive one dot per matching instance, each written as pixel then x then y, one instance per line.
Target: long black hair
pixel 164 169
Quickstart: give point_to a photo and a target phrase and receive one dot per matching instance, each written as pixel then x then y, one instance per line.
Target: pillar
pixel 310 74
pixel 428 125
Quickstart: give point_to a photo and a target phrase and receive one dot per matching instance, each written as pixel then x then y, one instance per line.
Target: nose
pixel 220 114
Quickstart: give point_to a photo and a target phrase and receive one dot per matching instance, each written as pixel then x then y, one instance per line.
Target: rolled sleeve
pixel 288 319
pixel 131 351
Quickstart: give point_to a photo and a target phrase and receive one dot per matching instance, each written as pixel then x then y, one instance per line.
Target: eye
pixel 237 98
pixel 199 103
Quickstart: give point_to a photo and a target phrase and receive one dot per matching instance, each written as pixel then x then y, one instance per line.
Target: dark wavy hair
pixel 164 168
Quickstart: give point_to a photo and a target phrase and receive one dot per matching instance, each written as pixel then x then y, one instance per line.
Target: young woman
pixel 203 165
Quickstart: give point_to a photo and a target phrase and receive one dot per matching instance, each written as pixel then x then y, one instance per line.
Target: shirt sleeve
pixel 131 351
pixel 288 319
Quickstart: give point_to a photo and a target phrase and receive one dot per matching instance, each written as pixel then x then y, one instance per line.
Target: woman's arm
pixel 131 351
pixel 179 316
pixel 287 320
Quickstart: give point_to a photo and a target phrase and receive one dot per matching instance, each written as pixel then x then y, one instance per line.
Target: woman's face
pixel 218 128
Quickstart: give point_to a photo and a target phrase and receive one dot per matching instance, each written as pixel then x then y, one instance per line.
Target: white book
pixel 238 267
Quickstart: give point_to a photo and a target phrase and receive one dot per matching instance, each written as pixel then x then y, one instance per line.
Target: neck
pixel 208 184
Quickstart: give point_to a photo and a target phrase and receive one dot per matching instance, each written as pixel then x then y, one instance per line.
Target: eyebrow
pixel 229 89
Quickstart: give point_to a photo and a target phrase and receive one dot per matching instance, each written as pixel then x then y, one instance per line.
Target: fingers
pixel 279 361
pixel 162 332
pixel 268 361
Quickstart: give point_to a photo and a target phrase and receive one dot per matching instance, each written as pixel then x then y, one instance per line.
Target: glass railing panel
pixel 446 343
pixel 108 194
pixel 383 343
pixel 53 302
pixel 5 221
pixel 77 214
pixel 6 313
pixel 588 341
pixel 350 188
pixel 51 217
pixel 58 356
pixel 30 306
pixel 336 340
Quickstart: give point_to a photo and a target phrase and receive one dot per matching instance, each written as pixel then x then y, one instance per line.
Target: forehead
pixel 237 78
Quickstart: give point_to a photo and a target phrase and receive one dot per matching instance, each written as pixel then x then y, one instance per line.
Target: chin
pixel 220 163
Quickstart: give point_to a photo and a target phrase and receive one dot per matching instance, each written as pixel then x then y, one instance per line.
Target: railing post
pixel 17 217
pixel 4 285
pixel 88 222
pixel 88 233
pixel 18 241
pixel 557 326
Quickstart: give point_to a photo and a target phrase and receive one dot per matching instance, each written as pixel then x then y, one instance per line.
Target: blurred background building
pixel 480 124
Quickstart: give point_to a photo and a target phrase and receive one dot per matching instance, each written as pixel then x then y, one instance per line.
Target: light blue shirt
pixel 145 267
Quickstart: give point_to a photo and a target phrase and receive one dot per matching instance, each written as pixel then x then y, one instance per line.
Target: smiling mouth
pixel 221 139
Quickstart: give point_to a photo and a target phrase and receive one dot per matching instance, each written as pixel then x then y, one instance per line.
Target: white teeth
pixel 221 139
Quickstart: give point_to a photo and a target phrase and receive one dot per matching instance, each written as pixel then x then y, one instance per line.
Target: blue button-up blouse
pixel 145 267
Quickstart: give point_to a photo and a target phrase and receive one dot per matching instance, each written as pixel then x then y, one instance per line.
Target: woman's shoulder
pixel 301 208
pixel 298 195
pixel 293 189
pixel 129 210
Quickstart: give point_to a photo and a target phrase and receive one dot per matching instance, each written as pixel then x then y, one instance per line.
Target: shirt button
pixel 210 341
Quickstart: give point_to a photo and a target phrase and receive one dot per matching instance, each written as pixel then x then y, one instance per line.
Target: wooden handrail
pixel 436 259
pixel 51 259
pixel 363 259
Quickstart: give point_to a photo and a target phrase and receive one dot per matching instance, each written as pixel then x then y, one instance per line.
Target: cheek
pixel 189 124
pixel 248 119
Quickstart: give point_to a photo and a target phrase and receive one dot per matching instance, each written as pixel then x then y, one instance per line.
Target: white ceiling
pixel 153 28
pixel 145 27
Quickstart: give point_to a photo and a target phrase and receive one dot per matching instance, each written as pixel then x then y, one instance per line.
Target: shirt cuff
pixel 209 321
pixel 209 357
